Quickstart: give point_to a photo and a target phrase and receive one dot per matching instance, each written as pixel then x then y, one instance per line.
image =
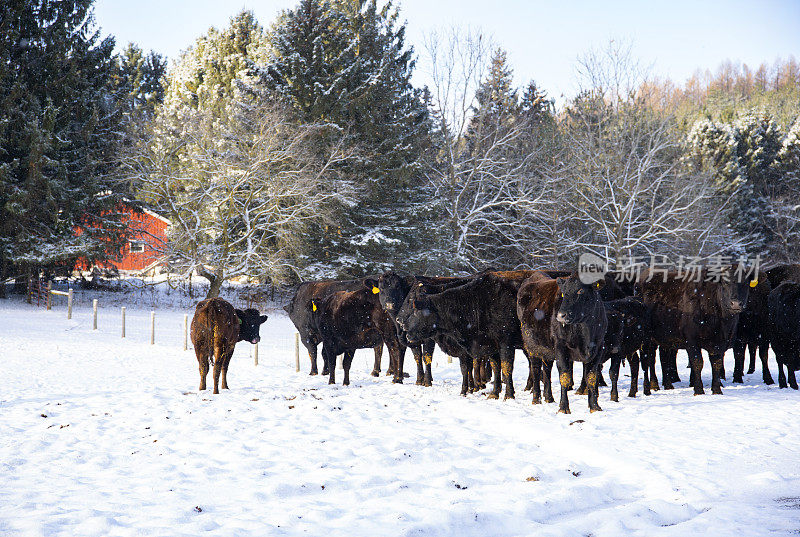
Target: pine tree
pixel 140 81
pixel 58 133
pixel 345 63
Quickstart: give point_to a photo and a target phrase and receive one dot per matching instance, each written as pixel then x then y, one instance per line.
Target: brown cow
pixel 216 328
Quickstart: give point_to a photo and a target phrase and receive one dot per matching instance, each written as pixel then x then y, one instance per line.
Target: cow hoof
pixel 375 373
pixel 492 396
pixel 581 391
pixel 593 410
pixel 700 392
pixel 562 411
pixel 406 375
pixel 716 391
pixel 507 397
pixel 632 395
pixel 769 381
pixel 738 380
pixel 536 401
pixel 549 400
pixel 420 382
pixel 331 382
pixel 216 392
pixel 397 381
pixel 794 386
pixel 314 373
pixel 669 386
pixel 615 398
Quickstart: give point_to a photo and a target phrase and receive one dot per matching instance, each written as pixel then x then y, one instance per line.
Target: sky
pixel 543 39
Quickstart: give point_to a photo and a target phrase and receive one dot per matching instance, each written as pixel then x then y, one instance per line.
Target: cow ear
pixel 239 315
pixel 372 284
pixel 262 319
pixel 599 284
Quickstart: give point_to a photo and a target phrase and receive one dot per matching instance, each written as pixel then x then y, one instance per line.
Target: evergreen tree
pixel 58 133
pixel 140 81
pixel 345 63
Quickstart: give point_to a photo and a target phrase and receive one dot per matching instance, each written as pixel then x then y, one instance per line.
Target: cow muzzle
pixel 255 340
pixel 562 318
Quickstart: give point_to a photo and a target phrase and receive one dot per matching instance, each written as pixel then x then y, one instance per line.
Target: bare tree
pixel 483 183
pixel 241 188
pixel 624 187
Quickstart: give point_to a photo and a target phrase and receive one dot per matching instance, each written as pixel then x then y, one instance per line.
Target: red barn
pixel 148 235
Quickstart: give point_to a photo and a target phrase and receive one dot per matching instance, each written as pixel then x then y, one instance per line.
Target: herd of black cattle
pixel 551 315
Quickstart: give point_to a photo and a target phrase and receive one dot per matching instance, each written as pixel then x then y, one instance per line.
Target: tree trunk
pixel 216 279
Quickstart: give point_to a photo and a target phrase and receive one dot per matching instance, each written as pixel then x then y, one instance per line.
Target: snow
pixel 104 436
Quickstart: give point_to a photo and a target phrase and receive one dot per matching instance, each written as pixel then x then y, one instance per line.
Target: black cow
pixel 472 320
pixel 579 327
pixel 392 292
pixel 629 328
pixel 301 315
pixel 350 320
pixel 752 331
pixel 695 315
pixel 784 324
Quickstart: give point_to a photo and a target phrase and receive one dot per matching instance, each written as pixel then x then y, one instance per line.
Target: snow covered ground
pixel 104 436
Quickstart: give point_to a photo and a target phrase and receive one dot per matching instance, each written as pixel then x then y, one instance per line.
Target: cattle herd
pixel 553 316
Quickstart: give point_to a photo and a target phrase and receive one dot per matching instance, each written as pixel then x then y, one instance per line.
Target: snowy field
pixel 103 436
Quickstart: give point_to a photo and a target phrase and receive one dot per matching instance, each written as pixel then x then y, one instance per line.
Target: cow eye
pixel 580 292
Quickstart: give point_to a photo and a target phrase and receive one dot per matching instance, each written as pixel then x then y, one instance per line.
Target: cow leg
pixel 633 361
pixel 792 379
pixel 202 360
pixel 507 364
pixel 763 352
pixel 592 381
pixel 781 375
pixel 416 351
pixel 645 363
pixel 330 363
pixel 565 379
pixel 312 356
pixel 696 363
pixel 751 368
pixel 476 373
pixel 226 361
pixel 669 365
pixel 534 377
pixel 547 384
pixel 219 357
pixel 397 355
pixel 613 372
pixel 716 373
pixel 346 362
pixel 653 378
pixel 497 375
pixel 427 357
pixel 466 368
pixel 738 359
pixel 582 386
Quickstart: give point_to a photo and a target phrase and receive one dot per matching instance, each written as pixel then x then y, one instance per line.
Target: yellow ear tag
pixel 313 307
pixel 597 285
pixel 753 283
pixel 375 290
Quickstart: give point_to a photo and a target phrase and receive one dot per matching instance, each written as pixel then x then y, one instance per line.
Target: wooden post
pixel 49 289
pixel 255 354
pixel 297 352
pixel 94 314
pixel 185 331
pixel 153 327
pixel 123 321
pixel 69 304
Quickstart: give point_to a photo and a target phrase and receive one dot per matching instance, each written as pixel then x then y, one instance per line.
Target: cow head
pixel 732 296
pixel 578 300
pixel 417 316
pixel 249 323
pixel 392 290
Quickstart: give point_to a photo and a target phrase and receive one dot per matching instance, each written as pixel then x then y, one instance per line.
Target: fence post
pixel 153 327
pixel 69 304
pixel 94 314
pixel 185 331
pixel 297 352
pixel 123 321
pixel 255 354
pixel 49 288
